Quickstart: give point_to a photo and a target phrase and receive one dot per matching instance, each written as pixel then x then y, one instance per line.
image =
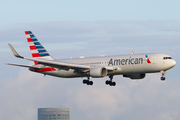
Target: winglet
pixel 14 51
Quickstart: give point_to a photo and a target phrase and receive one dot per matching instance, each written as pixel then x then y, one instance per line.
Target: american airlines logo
pixel 129 61
pixel 147 58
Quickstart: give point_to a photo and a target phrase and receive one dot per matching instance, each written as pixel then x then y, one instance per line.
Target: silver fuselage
pixel 124 64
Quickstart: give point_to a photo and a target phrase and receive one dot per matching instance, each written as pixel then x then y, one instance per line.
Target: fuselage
pixel 122 65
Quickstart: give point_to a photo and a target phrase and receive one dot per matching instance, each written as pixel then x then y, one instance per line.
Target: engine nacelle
pixel 135 76
pixel 98 72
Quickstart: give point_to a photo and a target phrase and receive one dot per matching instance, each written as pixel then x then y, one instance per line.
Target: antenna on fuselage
pixel 131 51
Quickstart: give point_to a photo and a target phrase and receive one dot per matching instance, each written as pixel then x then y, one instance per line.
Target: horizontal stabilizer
pixel 38 67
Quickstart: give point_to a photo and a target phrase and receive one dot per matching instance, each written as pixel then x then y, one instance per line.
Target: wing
pixel 52 63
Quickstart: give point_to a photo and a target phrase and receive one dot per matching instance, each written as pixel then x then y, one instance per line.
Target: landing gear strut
pixel 110 82
pixel 88 82
pixel 163 73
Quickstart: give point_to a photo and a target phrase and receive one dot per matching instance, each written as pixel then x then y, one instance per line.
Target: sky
pixel 69 28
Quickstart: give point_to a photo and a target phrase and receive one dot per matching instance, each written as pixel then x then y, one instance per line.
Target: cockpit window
pixel 165 58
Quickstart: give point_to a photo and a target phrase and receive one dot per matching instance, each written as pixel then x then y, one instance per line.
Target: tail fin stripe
pixel 44 54
pixel 28 32
pixel 29 40
pixel 37 51
pixel 37 43
pixel 34 51
pixel 36 55
pixel 32 47
pixel 34 40
pixel 40 51
pixel 31 44
pixel 39 47
pixel 32 36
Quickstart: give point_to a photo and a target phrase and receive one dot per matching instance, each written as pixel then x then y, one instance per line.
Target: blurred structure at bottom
pixel 54 114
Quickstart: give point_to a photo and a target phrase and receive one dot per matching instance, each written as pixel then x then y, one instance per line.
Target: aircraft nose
pixel 173 63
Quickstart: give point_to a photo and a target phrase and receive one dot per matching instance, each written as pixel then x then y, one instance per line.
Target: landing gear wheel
pixel 88 82
pixel 107 82
pixel 110 83
pixel 114 83
pixel 163 78
pixel 84 81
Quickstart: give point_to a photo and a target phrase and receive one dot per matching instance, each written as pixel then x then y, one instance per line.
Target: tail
pixel 37 50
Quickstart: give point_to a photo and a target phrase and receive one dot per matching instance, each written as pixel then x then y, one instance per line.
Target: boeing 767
pixel 133 66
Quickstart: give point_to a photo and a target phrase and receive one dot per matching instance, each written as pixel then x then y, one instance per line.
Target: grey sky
pixel 16 12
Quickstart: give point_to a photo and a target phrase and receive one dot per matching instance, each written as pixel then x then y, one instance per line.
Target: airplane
pixel 133 66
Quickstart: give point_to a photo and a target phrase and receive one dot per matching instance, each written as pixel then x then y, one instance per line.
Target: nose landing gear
pixel 163 73
pixel 163 78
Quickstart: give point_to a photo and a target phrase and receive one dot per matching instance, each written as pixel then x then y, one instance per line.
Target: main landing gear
pixel 88 82
pixel 110 82
pixel 163 73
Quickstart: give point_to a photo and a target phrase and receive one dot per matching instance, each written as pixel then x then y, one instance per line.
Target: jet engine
pixel 98 72
pixel 135 76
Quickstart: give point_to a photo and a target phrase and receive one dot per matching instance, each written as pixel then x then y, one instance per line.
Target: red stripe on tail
pixel 32 47
pixel 36 55
pixel 26 32
pixel 29 40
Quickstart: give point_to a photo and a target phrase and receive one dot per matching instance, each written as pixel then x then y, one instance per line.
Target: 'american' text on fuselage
pixel 129 61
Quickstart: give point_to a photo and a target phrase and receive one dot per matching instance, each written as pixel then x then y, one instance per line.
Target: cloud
pixel 145 99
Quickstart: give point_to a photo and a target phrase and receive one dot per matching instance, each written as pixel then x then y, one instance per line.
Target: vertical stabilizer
pixel 37 50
